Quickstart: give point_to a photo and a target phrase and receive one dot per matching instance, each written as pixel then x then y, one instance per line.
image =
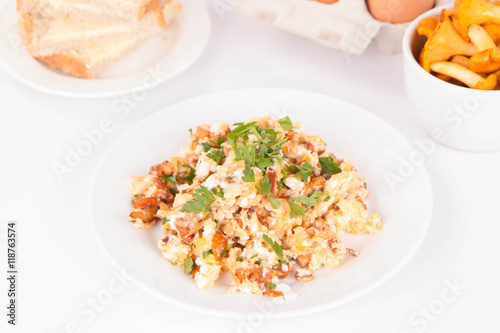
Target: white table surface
pixel 62 268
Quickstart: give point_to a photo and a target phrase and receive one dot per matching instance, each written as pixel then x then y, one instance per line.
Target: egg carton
pixel 346 25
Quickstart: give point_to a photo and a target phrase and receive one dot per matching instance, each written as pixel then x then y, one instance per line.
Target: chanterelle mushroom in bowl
pixel 458 116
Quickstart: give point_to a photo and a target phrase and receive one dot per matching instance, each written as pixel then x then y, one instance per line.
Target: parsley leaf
pixel 248 175
pixel 206 147
pixel 206 253
pixel 286 123
pixel 223 253
pixel 328 166
pixel 305 171
pixel 164 220
pixel 134 198
pixel 295 209
pixel 263 163
pixel 275 203
pixel 326 199
pixel 188 265
pixel 270 286
pixel 203 200
pixel 217 143
pixel 217 155
pixel 275 246
pixel 192 173
pixel 240 131
pixel 220 193
pixel 247 153
pixel 169 178
pixel 264 187
pixel 282 184
pixel 310 200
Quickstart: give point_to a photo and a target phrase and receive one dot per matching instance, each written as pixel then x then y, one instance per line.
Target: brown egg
pixel 398 11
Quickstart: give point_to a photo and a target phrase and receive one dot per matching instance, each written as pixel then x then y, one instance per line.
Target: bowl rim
pixel 410 59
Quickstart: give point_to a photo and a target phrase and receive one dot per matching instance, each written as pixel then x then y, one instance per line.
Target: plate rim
pixel 276 315
pixel 113 92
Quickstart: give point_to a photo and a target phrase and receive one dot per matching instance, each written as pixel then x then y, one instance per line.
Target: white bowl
pixel 459 117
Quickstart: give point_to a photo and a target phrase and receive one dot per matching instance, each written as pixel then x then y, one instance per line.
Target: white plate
pixel 154 62
pixel 348 130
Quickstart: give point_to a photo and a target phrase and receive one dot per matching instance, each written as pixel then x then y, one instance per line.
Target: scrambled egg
pixel 255 201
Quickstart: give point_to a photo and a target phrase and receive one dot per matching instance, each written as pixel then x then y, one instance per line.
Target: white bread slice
pixel 44 36
pixel 88 62
pixel 100 10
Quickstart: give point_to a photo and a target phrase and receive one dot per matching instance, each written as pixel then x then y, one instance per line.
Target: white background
pixel 61 266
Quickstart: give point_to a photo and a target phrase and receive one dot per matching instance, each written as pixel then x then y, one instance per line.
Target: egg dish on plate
pixel 261 200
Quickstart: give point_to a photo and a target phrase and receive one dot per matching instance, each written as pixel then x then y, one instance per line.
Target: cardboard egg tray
pixel 346 25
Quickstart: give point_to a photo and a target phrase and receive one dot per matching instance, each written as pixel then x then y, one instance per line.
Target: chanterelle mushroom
pixel 468 77
pixel 476 12
pixel 427 26
pixel 444 43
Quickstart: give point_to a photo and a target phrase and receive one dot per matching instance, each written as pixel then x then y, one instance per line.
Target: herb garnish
pixel 275 246
pixel 248 175
pixel 206 253
pixel 188 265
pixel 286 123
pixel 270 286
pixel 169 178
pixel 192 173
pixel 134 198
pixel 203 200
pixel 328 166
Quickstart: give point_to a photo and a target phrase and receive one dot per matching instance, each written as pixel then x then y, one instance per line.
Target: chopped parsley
pixel 188 265
pixel 295 209
pixel 270 286
pixel 217 155
pixel 304 171
pixel 247 153
pixel 275 203
pixel 203 199
pixel 169 178
pixel 265 186
pixel 326 199
pixel 223 253
pixel 255 255
pixel 206 253
pixel 238 258
pixel 328 166
pixel 164 220
pixel 134 198
pixel 192 173
pixel 286 123
pixel 310 200
pixel 220 193
pixel 206 147
pixel 217 143
pixel 275 246
pixel 248 175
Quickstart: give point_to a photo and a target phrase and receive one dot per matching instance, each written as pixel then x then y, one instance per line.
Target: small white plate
pixel 349 131
pixel 154 62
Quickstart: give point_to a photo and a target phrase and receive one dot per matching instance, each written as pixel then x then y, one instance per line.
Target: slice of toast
pixel 48 36
pixel 112 11
pixel 88 62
